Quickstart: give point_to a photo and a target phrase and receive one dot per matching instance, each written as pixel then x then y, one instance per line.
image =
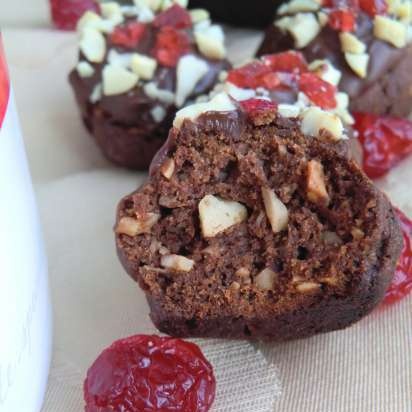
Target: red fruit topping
pixel 170 46
pixel 257 107
pixel 402 282
pixel 66 13
pixel 150 374
pixel 175 16
pixel 128 36
pixel 290 62
pixel 4 84
pixel 374 7
pixel 385 141
pixel 342 20
pixel 318 91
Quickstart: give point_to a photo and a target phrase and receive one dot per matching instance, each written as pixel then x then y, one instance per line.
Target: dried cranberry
pixel 290 62
pixel 129 35
pixel 254 75
pixel 385 141
pixel 318 91
pixel 342 20
pixel 374 7
pixel 402 281
pixel 151 374
pixel 66 13
pixel 175 16
pixel 4 83
pixel 256 108
pixel 170 45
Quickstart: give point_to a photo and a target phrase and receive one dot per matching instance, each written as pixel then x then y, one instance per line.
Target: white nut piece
pixel 316 187
pixel 152 90
pixel 198 15
pixel 296 6
pixel 84 69
pixel 351 44
pixel 143 66
pixel 303 27
pixel 158 113
pixel 220 103
pixel 119 59
pixel 276 211
pixel 152 4
pixel 308 287
pixel 323 18
pixel 265 280
pixel 390 30
pixel 315 119
pixel 177 263
pixel 190 69
pixel 93 45
pixel 91 20
pixel 211 42
pixel 288 110
pixel 217 214
pixel 342 108
pixel 136 226
pixel 326 71
pixel 358 63
pixel 117 80
pixel 404 11
pixel 168 167
pixel 96 93
pixel 112 11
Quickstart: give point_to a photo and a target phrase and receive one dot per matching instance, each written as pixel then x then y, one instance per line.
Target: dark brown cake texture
pixel 375 58
pixel 137 66
pixel 249 228
pixel 240 12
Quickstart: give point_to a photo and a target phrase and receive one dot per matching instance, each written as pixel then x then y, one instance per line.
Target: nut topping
pixel 117 80
pixel 177 262
pixel 167 169
pixel 358 63
pixel 390 30
pixel 316 188
pixel 314 120
pixel 276 211
pixel 217 214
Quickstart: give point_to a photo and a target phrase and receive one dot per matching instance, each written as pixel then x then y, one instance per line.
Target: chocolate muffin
pixel 250 228
pixel 137 66
pixel 240 12
pixel 369 42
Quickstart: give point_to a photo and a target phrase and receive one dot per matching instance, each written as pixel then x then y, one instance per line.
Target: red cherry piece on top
pixel 128 36
pixel 342 20
pixel 401 284
pixel 66 13
pixel 374 7
pixel 290 62
pixel 170 46
pixel 175 16
pixel 249 76
pixel 320 92
pixel 257 105
pixel 151 374
pixel 385 142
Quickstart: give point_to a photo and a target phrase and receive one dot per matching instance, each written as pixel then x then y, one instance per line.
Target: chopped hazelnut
pixel 177 262
pixel 308 287
pixel 266 279
pixel 167 169
pixel 316 188
pixel 143 223
pixel 276 211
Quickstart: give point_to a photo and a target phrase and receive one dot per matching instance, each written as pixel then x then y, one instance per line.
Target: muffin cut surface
pixel 248 228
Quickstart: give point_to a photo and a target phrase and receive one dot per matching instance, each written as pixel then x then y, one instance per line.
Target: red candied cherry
pixel 402 282
pixel 170 45
pixel 66 13
pixel 290 62
pixel 129 35
pixel 374 7
pixel 150 374
pixel 257 108
pixel 253 75
pixel 175 16
pixel 320 92
pixel 385 142
pixel 4 84
pixel 342 20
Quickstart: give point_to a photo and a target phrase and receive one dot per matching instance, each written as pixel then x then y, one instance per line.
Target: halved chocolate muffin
pixel 250 228
pixel 138 64
pixel 370 42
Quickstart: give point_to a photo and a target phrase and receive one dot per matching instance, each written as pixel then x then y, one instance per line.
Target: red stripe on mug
pixel 4 84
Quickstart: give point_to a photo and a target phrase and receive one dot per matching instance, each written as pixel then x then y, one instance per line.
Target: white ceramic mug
pixel 25 310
